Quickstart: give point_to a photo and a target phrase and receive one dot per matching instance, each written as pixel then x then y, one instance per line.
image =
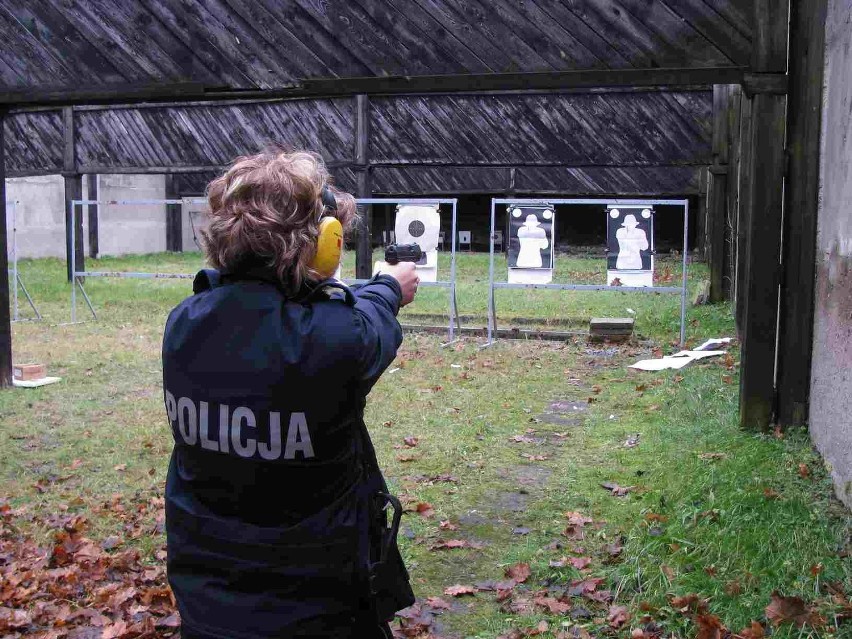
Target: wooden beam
pixel 457 83
pixel 74 191
pixel 165 170
pixel 729 274
pixel 743 210
pixel 763 235
pixel 174 226
pixel 69 155
pixel 339 164
pixel 364 251
pixel 801 203
pixel 701 215
pixel 717 193
pixel 92 187
pixel 5 311
pixel 754 83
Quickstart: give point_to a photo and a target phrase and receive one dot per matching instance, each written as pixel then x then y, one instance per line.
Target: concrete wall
pixel 831 378
pixel 39 215
pixel 122 229
pixel 194 218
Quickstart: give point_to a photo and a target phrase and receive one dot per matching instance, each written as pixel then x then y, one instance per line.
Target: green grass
pixel 745 522
pixel 657 315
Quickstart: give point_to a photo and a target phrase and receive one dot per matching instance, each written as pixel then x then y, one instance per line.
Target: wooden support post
pixel 174 226
pixel 743 210
pixel 364 251
pixel 730 271
pixel 5 312
pixel 92 186
pixel 73 191
pixel 512 191
pixel 717 193
pixel 716 218
pixel 701 216
pixel 763 235
pixel 801 203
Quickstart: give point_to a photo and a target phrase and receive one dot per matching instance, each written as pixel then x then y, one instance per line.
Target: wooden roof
pixel 256 51
pixel 262 44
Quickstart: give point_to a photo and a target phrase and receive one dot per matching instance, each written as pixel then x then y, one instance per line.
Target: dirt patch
pixel 570 406
pixel 515 502
pixel 531 475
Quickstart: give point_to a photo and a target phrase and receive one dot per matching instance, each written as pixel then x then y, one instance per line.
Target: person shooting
pixel 276 510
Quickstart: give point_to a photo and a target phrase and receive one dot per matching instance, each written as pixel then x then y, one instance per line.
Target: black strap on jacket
pixel 390 587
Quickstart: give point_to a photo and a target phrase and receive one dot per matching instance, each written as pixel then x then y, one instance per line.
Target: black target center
pixel 416 228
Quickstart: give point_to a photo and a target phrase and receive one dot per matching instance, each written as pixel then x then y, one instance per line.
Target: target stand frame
pixel 493 285
pixel 77 275
pixel 454 323
pixel 16 280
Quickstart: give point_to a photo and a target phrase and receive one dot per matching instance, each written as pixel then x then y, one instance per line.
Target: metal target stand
pixel 492 285
pixel 77 282
pixel 76 275
pixel 16 279
pixel 454 320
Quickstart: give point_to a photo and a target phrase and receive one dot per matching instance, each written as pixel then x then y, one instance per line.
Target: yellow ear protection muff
pixel 330 241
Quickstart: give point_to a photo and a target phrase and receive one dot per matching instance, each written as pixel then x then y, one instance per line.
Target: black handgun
pixel 396 253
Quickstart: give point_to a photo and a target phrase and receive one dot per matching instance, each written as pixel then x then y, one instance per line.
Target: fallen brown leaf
pixel 449 544
pixel 555 606
pixel 616 490
pixel 459 590
pixel 535 457
pixel 618 616
pixel 709 627
pixel 424 509
pixel 437 603
pixel 793 610
pixel 519 572
pixel 755 631
pixel 771 494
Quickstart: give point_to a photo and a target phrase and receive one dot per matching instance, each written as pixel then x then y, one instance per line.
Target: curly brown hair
pixel 265 210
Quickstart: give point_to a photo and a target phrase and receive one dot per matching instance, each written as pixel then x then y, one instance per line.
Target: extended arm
pixel 376 306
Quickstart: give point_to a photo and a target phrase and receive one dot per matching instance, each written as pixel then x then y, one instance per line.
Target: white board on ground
pixel 676 361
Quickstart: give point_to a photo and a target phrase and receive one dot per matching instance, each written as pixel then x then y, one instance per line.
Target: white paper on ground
pixel 676 361
pixel 35 383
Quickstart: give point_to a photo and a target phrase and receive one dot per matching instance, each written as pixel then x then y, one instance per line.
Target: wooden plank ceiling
pixel 258 44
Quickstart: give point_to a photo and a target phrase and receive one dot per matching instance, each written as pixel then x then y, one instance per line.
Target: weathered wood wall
pixel 613 142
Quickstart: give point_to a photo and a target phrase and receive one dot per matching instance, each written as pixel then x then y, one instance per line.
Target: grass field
pixel 703 525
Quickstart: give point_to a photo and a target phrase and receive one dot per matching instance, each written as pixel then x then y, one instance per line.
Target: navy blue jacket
pixel 268 481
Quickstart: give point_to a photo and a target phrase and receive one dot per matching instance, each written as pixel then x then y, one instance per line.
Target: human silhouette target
pixel 530 237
